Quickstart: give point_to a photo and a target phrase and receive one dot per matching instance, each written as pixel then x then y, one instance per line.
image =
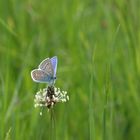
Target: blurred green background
pixel 98 49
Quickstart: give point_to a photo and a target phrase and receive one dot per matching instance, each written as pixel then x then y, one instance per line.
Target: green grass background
pixel 98 49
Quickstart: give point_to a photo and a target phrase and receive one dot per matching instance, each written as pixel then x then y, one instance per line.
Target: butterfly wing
pixel 46 66
pixel 54 65
pixel 40 76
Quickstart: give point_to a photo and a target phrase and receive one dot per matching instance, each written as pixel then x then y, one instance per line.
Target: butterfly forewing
pixel 54 64
pixel 47 67
pixel 40 76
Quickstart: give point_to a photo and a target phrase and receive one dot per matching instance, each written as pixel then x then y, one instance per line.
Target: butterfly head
pixel 51 81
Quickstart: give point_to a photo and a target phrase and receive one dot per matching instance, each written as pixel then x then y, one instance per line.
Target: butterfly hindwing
pixel 40 76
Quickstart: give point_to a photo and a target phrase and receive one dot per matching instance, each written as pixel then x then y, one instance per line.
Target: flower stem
pixel 52 125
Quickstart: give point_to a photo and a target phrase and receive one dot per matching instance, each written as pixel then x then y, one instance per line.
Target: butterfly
pixel 46 72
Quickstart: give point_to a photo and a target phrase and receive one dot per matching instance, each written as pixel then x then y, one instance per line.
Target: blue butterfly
pixel 46 72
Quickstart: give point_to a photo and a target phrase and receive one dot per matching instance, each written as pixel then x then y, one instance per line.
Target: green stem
pixel 52 125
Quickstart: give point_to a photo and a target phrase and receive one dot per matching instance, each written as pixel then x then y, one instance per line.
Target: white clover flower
pixel 49 96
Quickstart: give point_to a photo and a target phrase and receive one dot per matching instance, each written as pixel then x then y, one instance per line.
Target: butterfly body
pixel 46 72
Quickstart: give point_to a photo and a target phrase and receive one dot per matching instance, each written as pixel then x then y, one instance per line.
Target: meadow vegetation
pixel 98 48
